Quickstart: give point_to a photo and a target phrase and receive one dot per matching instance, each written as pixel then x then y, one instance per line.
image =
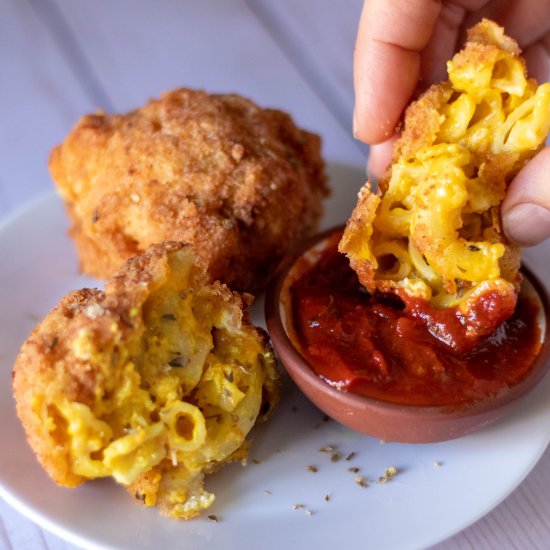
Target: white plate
pixel 422 505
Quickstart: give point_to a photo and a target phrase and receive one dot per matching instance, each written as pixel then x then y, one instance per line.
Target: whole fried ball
pixel 156 382
pixel 243 184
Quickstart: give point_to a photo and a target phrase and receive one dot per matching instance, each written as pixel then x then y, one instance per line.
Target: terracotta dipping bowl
pixel 374 417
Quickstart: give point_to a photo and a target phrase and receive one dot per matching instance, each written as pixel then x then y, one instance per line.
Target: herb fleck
pixel 360 480
pixel 178 361
pixel 185 293
pixel 389 474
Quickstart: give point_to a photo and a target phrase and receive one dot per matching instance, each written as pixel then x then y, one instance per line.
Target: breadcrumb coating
pixel 243 184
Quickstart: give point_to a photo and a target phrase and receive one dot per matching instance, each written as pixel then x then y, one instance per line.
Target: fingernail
pixel 527 224
pixel 355 124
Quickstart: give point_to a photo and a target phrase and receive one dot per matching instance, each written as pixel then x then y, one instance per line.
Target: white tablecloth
pixel 60 59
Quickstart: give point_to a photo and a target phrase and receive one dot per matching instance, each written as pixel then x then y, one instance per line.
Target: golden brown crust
pixel 243 184
pixel 422 124
pixel 358 233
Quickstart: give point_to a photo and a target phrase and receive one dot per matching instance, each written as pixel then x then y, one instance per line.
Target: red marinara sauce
pixel 367 344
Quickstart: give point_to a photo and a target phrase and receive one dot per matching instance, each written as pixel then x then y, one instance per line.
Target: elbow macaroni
pixel 434 229
pixel 185 426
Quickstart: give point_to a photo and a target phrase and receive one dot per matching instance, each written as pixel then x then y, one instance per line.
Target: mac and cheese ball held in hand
pixel 433 230
pixel 241 183
pixel 156 381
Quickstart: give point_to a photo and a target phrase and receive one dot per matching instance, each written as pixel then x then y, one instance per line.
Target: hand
pixel 402 47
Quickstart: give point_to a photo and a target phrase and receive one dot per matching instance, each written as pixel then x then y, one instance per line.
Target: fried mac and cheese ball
pixel 433 231
pixel 156 382
pixel 243 184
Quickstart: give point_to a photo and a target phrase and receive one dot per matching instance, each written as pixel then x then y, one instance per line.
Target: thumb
pixel 526 208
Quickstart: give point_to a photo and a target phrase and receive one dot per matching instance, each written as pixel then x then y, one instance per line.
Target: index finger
pixel 391 35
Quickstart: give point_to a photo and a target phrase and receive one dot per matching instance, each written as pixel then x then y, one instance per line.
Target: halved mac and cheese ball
pixel 156 381
pixel 433 231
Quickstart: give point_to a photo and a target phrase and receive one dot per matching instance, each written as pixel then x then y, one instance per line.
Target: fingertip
pixel 380 156
pixel 385 79
pixel 373 133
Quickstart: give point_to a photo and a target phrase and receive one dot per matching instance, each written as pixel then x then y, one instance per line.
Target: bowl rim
pixel 286 349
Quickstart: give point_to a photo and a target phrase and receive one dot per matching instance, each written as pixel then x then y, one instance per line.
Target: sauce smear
pixel 367 344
